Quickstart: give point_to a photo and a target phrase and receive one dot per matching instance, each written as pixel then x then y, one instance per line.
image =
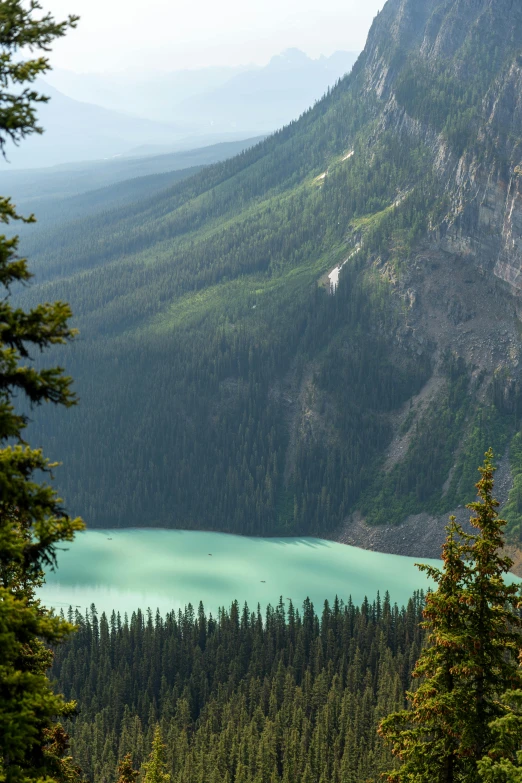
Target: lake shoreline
pixel 355 533
pixel 419 536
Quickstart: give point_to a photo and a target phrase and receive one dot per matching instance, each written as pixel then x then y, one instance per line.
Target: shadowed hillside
pixel 222 386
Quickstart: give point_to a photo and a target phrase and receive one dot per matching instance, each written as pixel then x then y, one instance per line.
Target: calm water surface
pixel 166 569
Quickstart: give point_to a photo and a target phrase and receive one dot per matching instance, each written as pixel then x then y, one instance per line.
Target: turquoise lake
pixel 167 569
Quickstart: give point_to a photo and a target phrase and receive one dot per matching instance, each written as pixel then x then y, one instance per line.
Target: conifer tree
pixel 60 764
pixel 126 772
pixel 32 521
pixel 156 768
pixel 503 764
pixel 494 624
pixel 426 738
pixel 470 658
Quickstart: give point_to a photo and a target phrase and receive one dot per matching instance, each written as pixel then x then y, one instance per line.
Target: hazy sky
pixel 173 34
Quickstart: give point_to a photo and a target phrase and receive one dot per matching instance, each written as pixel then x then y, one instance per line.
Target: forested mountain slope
pixel 223 387
pixel 34 189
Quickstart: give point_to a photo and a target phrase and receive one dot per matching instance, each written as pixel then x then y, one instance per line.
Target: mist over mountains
pixel 96 116
pixel 214 95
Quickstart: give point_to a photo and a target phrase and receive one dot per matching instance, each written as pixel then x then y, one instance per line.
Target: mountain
pixel 103 116
pixel 76 189
pixel 84 131
pixel 147 94
pixel 226 383
pixel 249 99
pixel 270 97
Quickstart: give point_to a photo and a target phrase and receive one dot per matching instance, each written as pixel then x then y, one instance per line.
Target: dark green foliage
pixel 471 656
pixel 453 425
pixel 446 92
pixel 21 28
pixel 441 99
pixel 32 521
pixel 489 425
pixel 513 508
pixel 126 772
pixel 242 697
pixel 427 738
pixel 503 764
pixel 416 482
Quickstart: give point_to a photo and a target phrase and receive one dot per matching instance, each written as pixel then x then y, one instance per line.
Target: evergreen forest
pixel 282 695
pixel 222 386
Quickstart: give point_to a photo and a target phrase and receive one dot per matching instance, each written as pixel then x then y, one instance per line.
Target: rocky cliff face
pixel 483 186
pixel 482 223
pixel 463 284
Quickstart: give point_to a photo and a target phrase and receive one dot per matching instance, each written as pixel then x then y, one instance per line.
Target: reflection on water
pixel 166 569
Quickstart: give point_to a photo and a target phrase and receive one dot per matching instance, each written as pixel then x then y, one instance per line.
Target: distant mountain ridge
pixel 247 98
pixel 224 387
pixel 105 117
pixel 75 130
pixel 31 188
pixel 271 96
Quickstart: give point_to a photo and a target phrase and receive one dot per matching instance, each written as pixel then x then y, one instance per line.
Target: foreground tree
pixel 503 764
pixel 32 521
pixel 470 658
pixel 425 738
